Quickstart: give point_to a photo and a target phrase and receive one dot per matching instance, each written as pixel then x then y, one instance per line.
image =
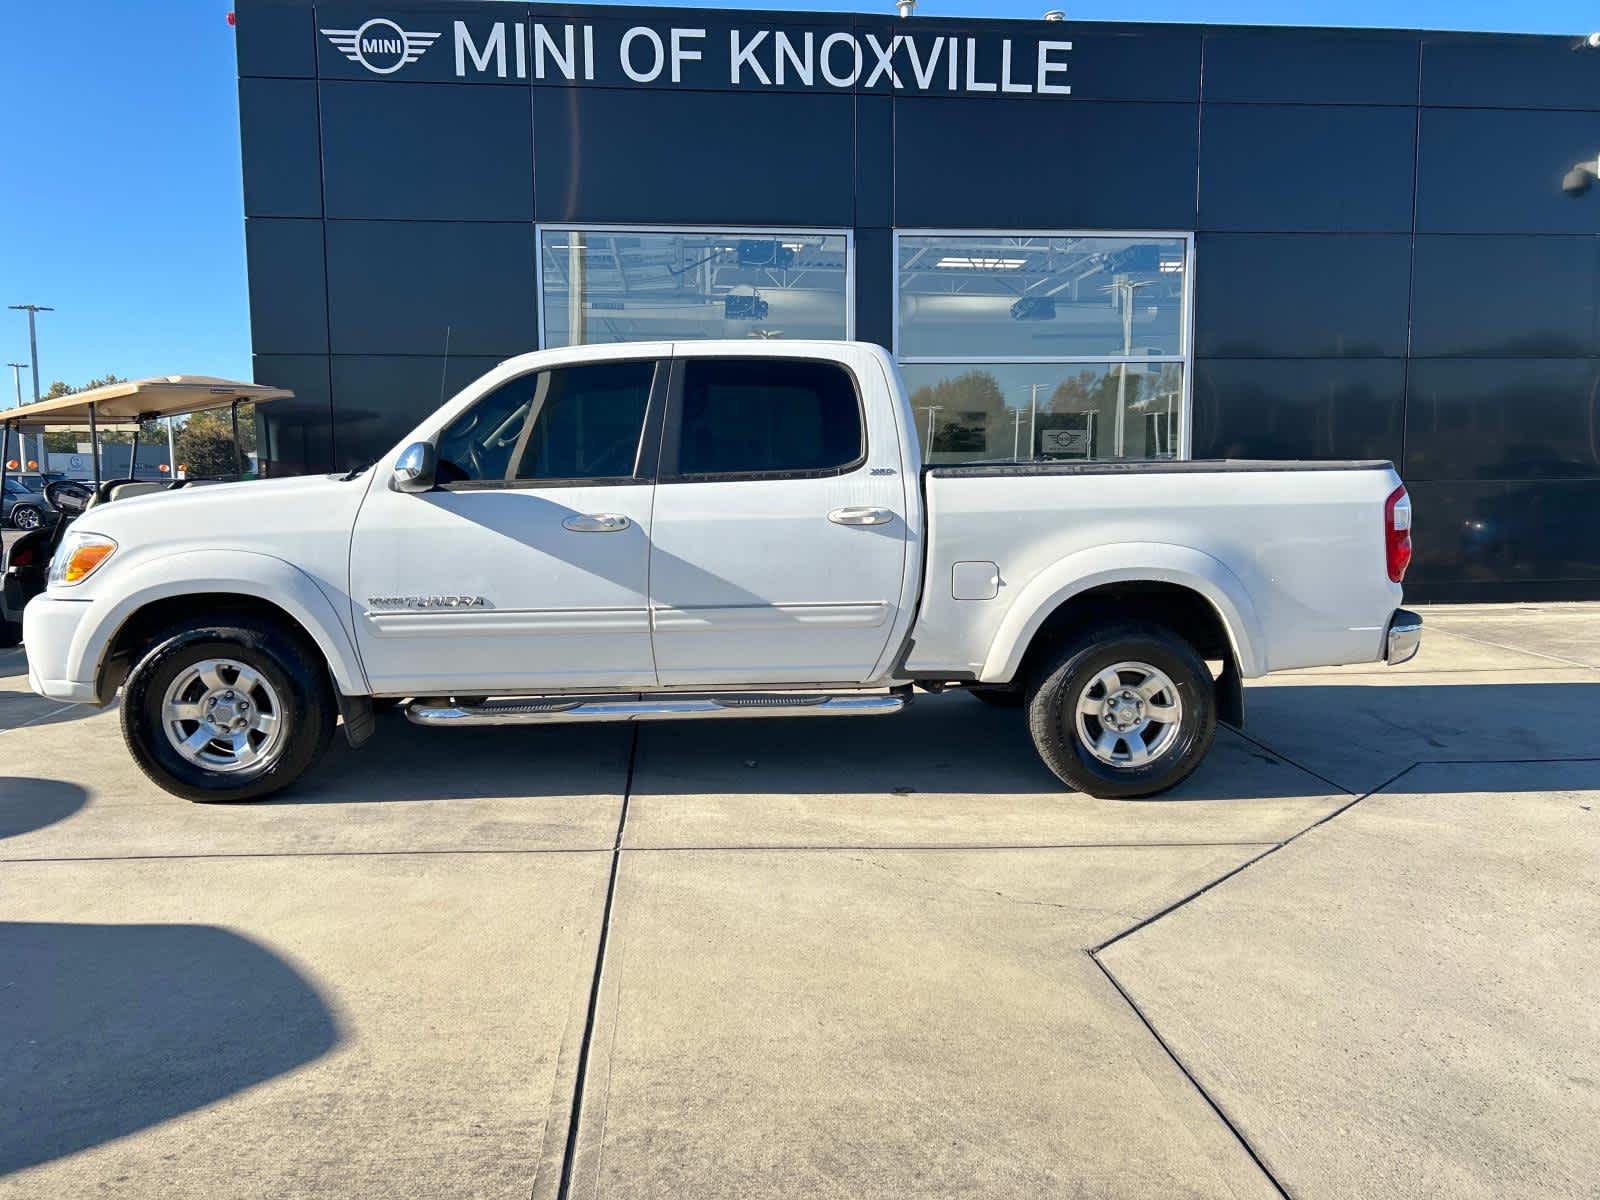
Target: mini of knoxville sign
pixel 612 54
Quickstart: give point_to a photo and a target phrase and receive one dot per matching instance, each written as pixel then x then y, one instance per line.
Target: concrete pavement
pixel 354 1025
pixel 793 958
pixel 1389 1012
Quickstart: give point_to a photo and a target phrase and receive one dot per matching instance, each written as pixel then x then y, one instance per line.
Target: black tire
pixel 26 516
pixel 293 669
pixel 1064 677
pixel 10 634
pixel 1000 697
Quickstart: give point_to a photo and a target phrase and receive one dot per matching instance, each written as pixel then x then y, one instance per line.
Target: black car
pixel 24 508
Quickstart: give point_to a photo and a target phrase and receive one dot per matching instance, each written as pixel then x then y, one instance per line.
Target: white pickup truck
pixel 712 530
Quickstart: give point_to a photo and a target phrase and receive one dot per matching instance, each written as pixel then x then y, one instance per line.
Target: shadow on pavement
pixel 20 710
pixel 949 744
pixel 405 762
pixel 1353 733
pixel 27 804
pixel 108 1029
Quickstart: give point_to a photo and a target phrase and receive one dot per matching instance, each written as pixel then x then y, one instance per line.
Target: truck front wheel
pixel 228 710
pixel 1123 711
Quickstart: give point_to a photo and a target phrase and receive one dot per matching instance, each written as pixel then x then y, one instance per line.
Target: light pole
pixel 1124 290
pixel 22 438
pixel 1033 415
pixel 932 410
pixel 33 310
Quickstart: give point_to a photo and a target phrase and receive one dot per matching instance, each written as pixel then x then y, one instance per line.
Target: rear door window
pixel 755 417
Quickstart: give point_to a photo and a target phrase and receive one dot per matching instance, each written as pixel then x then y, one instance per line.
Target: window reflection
pixel 1040 297
pixel 1012 413
pixel 626 286
pixel 1045 347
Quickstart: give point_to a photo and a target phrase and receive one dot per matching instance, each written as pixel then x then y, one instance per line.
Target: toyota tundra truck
pixel 712 531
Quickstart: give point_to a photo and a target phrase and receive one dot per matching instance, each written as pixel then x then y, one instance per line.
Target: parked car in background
pixel 24 508
pixel 35 481
pixel 712 530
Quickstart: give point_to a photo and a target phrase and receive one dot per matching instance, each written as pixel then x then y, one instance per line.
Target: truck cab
pixel 669 517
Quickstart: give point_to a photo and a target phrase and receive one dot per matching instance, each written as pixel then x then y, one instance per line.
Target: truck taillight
pixel 1397 533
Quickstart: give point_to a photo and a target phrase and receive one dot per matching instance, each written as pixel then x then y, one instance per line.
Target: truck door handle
pixel 595 523
pixel 861 516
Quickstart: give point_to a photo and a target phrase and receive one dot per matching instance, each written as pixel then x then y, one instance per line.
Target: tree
pixel 969 414
pixel 207 451
pixel 65 441
pixel 205 442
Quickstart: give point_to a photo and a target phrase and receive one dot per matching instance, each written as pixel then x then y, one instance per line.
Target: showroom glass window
pixel 602 285
pixel 1045 346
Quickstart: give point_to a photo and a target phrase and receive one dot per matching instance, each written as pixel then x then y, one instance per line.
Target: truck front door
pixel 524 569
pixel 779 539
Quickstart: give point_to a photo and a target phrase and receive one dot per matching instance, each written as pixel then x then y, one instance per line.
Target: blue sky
pixel 120 197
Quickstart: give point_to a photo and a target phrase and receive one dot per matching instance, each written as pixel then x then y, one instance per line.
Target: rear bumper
pixel 1404 637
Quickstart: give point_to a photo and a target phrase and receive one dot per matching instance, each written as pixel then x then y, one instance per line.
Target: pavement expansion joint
pixel 1273 848
pixel 930 848
pixel 246 854
pixel 1211 1102
pixel 576 1115
pixel 1260 745
pixel 54 712
pixel 1095 951
pixel 1483 641
pixel 1094 954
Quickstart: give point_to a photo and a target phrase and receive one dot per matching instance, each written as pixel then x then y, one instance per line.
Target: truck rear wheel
pixel 1123 711
pixel 229 710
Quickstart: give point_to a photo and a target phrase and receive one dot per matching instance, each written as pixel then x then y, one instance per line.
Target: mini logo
pixel 380 45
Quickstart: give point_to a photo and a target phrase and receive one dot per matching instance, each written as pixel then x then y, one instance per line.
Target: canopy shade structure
pixel 132 401
pixel 137 400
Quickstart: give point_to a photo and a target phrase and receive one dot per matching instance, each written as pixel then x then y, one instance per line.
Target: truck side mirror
pixel 415 468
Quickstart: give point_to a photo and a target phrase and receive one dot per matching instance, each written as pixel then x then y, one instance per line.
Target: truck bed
pixel 1290 554
pixel 1188 466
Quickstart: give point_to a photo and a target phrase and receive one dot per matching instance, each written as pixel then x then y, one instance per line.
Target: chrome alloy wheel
pixel 224 716
pixel 1129 714
pixel 26 517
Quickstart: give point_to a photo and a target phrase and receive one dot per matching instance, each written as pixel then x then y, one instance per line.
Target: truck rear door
pixel 779 534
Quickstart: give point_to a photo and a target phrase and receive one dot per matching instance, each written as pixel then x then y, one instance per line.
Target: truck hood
pixel 262 514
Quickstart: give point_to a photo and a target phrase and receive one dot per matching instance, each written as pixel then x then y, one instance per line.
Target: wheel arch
pixel 224 583
pixel 1185 589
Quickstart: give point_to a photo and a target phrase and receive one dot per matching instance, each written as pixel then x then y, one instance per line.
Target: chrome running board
pixel 559 710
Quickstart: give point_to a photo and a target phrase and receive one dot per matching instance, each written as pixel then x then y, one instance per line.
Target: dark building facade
pixel 1078 238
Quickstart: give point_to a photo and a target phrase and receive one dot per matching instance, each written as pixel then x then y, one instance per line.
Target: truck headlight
pixel 79 556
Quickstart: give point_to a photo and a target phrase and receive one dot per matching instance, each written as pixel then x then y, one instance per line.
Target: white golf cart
pixel 116 406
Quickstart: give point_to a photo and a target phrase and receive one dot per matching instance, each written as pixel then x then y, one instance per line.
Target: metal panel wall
pixel 1386 263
